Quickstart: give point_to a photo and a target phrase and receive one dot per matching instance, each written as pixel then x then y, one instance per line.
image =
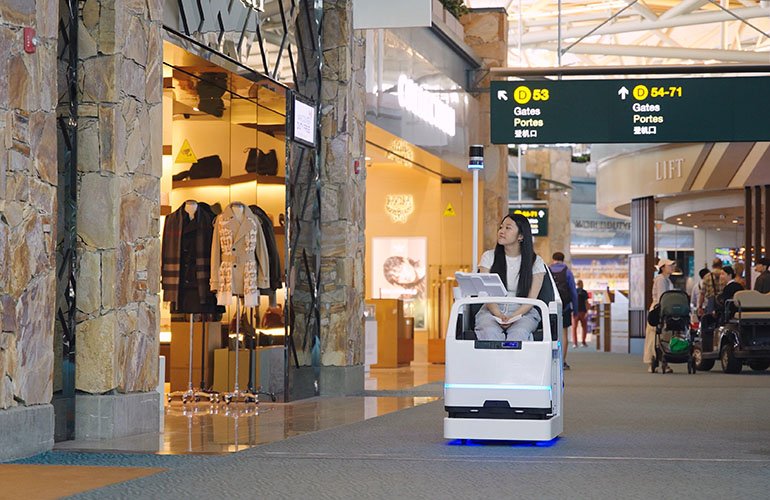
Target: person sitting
pixel 522 272
pixel 727 309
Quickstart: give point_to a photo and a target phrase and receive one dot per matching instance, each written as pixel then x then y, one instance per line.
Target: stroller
pixel 673 336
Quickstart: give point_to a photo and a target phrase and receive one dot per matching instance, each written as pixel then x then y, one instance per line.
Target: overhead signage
pixel 537 217
pixel 630 111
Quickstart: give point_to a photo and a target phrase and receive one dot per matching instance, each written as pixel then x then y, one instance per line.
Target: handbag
pixel 678 346
pixel 207 167
pixel 273 317
pixel 262 163
pixel 653 316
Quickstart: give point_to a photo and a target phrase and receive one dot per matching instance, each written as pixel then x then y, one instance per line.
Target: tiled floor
pixel 206 428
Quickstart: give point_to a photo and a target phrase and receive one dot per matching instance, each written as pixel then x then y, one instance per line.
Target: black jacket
pixel 276 271
pixel 763 282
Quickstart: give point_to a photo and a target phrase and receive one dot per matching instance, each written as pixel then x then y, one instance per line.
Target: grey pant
pixel 487 328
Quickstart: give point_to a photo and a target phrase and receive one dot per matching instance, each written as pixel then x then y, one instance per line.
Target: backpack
pixel 562 286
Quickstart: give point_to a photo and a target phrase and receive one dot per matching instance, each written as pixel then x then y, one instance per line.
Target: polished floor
pixel 205 428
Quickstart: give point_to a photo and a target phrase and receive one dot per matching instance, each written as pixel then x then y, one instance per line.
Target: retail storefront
pixel 420 121
pixel 224 140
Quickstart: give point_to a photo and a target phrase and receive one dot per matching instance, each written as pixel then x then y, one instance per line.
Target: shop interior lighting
pixel 165 337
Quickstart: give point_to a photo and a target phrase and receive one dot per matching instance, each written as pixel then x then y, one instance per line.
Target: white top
pixel 659 285
pixel 514 265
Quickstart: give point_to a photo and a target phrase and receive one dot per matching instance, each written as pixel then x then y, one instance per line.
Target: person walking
pixel 662 283
pixel 579 317
pixel 565 283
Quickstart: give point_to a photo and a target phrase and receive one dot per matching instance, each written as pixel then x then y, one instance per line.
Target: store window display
pixel 223 191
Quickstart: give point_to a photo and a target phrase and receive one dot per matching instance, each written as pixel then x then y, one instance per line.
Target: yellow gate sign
pixel 186 154
pixel 449 211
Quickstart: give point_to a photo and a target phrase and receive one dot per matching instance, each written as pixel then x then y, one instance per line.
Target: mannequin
pixel 191 207
pixel 239 258
pixel 187 234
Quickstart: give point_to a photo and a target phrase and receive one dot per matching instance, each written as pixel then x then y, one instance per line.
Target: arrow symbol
pixel 623 92
pixel 502 95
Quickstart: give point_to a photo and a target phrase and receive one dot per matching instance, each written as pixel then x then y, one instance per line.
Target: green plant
pixel 456 7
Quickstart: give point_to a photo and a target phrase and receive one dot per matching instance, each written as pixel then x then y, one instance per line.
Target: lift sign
pixel 538 219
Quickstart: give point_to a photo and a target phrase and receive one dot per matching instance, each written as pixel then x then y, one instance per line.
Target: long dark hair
pixel 499 265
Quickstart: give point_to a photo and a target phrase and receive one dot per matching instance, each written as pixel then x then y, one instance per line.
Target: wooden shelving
pixel 238 179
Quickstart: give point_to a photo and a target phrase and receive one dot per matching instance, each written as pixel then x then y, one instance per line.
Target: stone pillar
pixel 333 242
pixel 119 168
pixel 553 163
pixel 486 32
pixel 343 201
pixel 28 179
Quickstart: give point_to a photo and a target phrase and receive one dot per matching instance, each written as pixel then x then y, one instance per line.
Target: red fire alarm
pixel 30 40
pixel 356 166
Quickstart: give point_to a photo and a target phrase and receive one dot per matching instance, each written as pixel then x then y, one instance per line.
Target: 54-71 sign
pixel 630 111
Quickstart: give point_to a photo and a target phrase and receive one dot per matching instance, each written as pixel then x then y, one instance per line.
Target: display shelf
pixel 165 209
pixel 238 179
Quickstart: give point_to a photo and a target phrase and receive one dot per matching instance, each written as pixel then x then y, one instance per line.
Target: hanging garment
pixel 276 271
pixel 239 259
pixel 185 260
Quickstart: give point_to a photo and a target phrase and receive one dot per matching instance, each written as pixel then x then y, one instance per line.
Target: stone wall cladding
pixel 486 32
pixel 343 125
pixel 28 179
pixel 119 165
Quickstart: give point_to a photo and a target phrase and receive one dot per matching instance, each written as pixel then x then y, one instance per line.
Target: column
pixel 553 164
pixel 328 295
pixel 28 180
pixel 119 165
pixel 642 242
pixel 486 32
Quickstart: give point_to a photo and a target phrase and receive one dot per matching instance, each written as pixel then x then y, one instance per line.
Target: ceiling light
pixel 695 226
pixel 719 229
pixel 678 218
pixel 735 221
pixel 689 215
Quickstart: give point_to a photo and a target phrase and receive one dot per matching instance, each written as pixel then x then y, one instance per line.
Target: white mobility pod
pixel 503 389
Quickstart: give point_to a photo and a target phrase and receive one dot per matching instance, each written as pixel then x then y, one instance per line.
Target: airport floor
pixel 627 434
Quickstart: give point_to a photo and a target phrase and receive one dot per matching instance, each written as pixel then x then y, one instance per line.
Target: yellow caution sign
pixel 449 211
pixel 186 154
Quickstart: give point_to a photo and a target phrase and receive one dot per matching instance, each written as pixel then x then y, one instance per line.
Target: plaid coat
pixel 171 251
